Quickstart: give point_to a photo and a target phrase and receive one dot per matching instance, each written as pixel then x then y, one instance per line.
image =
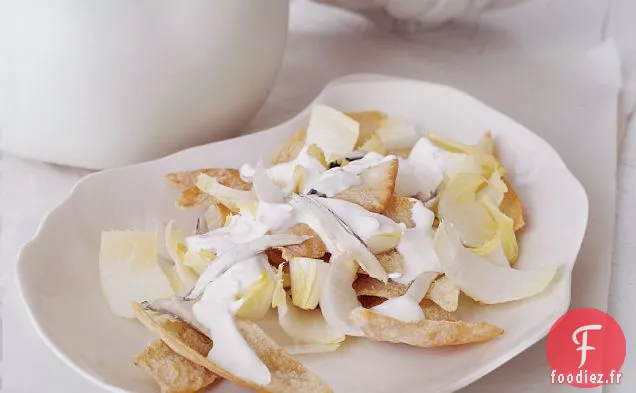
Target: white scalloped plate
pixel 58 270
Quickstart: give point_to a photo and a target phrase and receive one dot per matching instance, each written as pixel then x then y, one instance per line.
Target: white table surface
pixel 540 28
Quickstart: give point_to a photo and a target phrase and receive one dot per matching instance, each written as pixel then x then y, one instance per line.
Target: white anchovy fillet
pixel 238 253
pixel 340 240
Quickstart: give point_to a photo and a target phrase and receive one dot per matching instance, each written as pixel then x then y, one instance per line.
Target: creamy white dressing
pixel 403 308
pixel 369 160
pixel 240 229
pixel 407 307
pixel 277 217
pixel 338 240
pixel 283 174
pixel 427 165
pixel 335 181
pixel 246 171
pixel 416 246
pixel 369 226
pixel 215 311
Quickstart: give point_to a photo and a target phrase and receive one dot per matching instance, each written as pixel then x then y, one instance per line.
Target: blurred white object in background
pixel 105 83
pixel 416 14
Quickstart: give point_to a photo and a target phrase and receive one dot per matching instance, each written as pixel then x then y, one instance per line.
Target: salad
pixel 359 227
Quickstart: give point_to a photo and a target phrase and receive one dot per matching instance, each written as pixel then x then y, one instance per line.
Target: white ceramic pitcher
pixel 103 83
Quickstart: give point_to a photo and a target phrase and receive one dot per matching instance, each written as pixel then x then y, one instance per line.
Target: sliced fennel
pixel 235 200
pixel 257 299
pixel 128 270
pixel 176 245
pixel 308 278
pixel 333 131
pixel 198 261
pixel 495 189
pixel 396 133
pixel 483 280
pixel 505 235
pixel 305 326
pixel 374 144
pixel 483 150
pixel 458 205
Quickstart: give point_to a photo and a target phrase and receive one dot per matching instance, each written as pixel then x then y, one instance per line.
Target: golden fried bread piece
pixel 511 206
pixel 444 293
pixel 290 148
pixel 191 196
pixel 399 208
pixel 288 374
pixel 173 372
pixel 426 333
pixel 310 248
pixel 378 184
pixel 368 286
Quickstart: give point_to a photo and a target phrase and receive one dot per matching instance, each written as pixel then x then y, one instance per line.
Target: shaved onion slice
pixel 482 279
pixel 339 299
pixel 264 187
pixel 238 253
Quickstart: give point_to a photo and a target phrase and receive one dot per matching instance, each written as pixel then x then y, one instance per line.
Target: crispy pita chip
pixel 191 196
pixel 512 207
pixel 310 248
pixel 274 256
pixel 173 372
pixel 426 333
pixel 370 301
pixel 290 148
pixel 402 153
pixel 369 122
pixel 378 184
pixel 391 262
pixel 434 312
pixel 444 293
pixel 368 286
pixel 399 210
pixel 288 374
